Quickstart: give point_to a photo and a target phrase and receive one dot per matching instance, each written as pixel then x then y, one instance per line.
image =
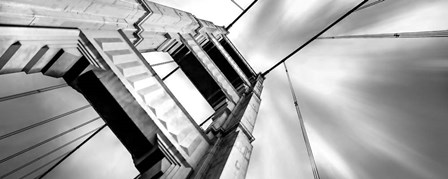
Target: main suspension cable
pixel 314 38
pixel 241 15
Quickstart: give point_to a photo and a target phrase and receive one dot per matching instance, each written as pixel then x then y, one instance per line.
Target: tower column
pixel 182 137
pixel 238 58
pixel 211 67
pixel 96 45
pixel 229 157
pixel 229 59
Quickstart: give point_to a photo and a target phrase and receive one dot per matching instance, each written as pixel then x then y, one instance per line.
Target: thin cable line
pixel 234 2
pixel 314 38
pixel 44 165
pixel 73 151
pixel 239 16
pixel 162 63
pixel 138 176
pixel 42 122
pixel 48 153
pixel 419 34
pixel 302 126
pixel 5 98
pixel 203 122
pixel 169 74
pixel 46 141
pixel 370 5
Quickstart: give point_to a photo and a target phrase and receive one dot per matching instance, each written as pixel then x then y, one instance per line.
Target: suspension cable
pixel 178 65
pixel 162 63
pixel 314 38
pixel 138 176
pixel 370 5
pixel 239 16
pixel 32 92
pixel 44 165
pixel 206 120
pixel 236 4
pixel 169 74
pixel 302 127
pixel 48 153
pixel 46 141
pixel 42 122
pixel 72 151
pixel 419 34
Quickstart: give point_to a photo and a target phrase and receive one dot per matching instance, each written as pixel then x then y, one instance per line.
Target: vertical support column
pixel 178 130
pixel 229 158
pixel 201 39
pixel 238 159
pixel 246 116
pixel 237 57
pixel 229 59
pixel 208 64
pixel 226 68
pixel 239 156
pixel 128 121
pixel 200 77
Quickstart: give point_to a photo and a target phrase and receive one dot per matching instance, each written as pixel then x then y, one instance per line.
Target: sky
pixel 373 108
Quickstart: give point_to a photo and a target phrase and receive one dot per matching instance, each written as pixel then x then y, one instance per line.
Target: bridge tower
pixel 96 46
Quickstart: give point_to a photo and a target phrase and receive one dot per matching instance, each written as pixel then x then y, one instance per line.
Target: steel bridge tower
pixel 96 46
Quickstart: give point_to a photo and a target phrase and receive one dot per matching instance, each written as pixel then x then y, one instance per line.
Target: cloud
pixel 377 104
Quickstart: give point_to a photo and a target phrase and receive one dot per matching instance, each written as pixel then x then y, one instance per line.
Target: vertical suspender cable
pixel 236 4
pixel 170 73
pixel 418 34
pixel 302 126
pixel 46 141
pixel 46 154
pixel 162 63
pixel 138 176
pixel 177 68
pixel 44 165
pixel 71 152
pixel 42 122
pixel 33 92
